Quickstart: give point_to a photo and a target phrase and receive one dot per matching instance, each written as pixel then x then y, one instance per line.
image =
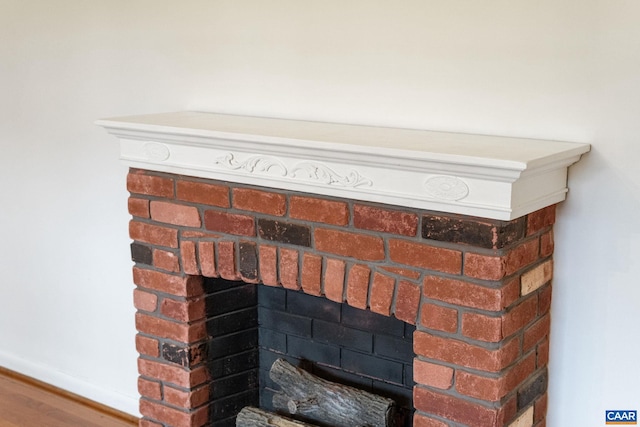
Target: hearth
pixel 450 235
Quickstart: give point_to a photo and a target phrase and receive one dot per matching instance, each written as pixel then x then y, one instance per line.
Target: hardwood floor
pixel 25 402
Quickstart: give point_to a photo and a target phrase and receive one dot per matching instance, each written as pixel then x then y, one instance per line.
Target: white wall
pixel 556 69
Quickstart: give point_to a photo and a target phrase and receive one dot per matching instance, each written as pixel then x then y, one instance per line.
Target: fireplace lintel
pixel 478 175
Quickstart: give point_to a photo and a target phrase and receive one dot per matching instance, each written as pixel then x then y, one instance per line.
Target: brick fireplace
pixel 216 213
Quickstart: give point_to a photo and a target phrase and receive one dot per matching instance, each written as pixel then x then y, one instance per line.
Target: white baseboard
pixel 110 398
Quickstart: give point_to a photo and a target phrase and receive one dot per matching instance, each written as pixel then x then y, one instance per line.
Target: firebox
pixel 256 325
pixel 261 238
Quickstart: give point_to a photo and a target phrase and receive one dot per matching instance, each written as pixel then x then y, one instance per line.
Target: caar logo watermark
pixel 621 417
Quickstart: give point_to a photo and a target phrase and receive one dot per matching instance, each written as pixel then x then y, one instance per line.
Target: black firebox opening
pixel 253 325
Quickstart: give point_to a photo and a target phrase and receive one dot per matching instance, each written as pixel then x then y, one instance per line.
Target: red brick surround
pixel 478 290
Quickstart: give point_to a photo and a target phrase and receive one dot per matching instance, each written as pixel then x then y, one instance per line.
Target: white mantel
pixel 485 176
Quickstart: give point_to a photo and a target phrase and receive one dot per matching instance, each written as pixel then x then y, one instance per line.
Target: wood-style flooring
pixel 25 402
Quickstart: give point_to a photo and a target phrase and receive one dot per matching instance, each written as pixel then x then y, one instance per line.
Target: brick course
pixel 147 346
pixel 259 201
pixel 175 214
pixel 145 301
pixel 206 258
pixel 483 233
pixel 311 274
pixel 446 406
pixel 358 286
pixel 464 354
pixel 420 420
pixel 139 182
pixel 425 256
pixel 385 220
pixel 150 389
pixel 184 399
pixel 188 254
pixel 185 286
pixel 242 225
pixel 359 246
pixel 319 210
pixel 433 375
pixel 334 280
pixel 289 268
pixel 440 318
pixel 407 302
pixel 153 234
pixel 139 207
pixel 166 260
pixel 382 289
pixel 478 290
pixel 202 193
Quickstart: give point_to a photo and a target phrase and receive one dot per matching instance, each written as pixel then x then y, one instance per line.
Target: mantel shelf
pixel 485 176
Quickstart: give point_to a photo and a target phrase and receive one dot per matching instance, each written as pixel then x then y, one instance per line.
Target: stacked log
pixel 313 399
pixel 254 417
pixel 318 400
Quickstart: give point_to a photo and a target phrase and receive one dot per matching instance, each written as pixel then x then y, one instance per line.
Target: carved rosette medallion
pixel 156 151
pixel 446 188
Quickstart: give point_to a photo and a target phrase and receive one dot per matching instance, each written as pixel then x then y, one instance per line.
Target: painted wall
pixel 558 69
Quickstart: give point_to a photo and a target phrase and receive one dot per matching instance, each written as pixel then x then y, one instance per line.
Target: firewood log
pixel 254 417
pixel 317 400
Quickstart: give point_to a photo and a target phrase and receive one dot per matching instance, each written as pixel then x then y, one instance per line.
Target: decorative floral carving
pixel 305 170
pixel 319 172
pixel 446 187
pixel 254 164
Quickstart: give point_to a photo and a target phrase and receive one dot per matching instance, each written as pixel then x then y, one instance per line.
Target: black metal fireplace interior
pixel 252 325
